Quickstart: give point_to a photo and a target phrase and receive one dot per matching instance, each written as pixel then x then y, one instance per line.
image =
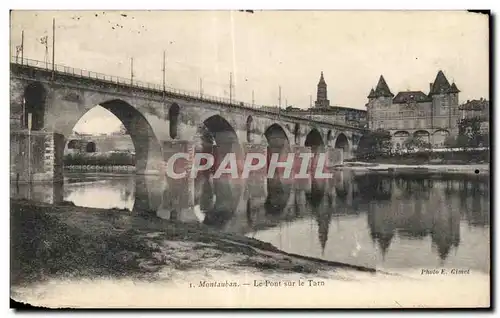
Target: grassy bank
pixel 66 241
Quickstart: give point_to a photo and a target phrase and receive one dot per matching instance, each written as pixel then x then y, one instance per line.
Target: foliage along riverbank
pixel 447 172
pixel 99 159
pixel 465 157
pixel 112 168
pixel 66 241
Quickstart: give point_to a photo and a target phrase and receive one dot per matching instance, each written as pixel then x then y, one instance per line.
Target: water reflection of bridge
pixel 408 207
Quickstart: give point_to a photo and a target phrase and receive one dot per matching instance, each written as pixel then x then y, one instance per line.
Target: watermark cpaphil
pixel 298 166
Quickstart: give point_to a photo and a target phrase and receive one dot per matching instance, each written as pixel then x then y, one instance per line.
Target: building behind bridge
pixel 477 108
pixel 335 114
pixel 81 143
pixel 432 116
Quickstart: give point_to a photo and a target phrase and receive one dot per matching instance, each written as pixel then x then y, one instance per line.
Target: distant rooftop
pixel 410 96
pixel 475 104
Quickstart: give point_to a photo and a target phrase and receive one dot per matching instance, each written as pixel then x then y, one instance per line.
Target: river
pixel 374 220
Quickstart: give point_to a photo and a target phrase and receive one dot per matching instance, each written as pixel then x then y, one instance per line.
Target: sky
pixel 267 49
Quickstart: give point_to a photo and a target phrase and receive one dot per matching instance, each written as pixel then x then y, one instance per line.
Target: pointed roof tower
pixel 372 94
pixel 321 96
pixel 321 80
pixel 454 88
pixel 440 85
pixel 382 89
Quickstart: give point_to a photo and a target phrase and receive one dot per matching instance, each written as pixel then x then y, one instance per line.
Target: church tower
pixel 321 97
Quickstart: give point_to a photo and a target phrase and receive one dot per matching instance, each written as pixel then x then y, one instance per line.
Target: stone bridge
pixel 159 121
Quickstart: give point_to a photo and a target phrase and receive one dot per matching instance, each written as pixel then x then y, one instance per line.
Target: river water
pixel 374 220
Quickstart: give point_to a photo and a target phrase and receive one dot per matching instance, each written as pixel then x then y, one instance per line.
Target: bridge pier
pixel 178 196
pixel 300 201
pixel 148 194
pixel 297 161
pixel 261 148
pixel 178 200
pixel 36 156
pixel 335 156
pixel 172 147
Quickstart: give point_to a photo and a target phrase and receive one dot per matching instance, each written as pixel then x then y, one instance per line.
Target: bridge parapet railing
pixel 150 86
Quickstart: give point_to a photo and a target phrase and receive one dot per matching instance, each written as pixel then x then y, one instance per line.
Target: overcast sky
pixel 267 49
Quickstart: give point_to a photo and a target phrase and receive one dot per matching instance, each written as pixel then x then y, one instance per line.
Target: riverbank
pixel 68 256
pixel 468 169
pixel 66 241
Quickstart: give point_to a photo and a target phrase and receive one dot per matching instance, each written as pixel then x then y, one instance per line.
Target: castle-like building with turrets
pixel 432 116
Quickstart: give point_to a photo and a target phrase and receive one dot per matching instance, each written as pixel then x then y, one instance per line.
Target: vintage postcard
pixel 250 159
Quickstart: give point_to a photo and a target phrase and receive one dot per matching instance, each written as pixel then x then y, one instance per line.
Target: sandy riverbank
pixel 67 256
pixel 68 241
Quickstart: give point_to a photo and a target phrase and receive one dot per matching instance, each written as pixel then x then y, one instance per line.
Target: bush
pixel 100 159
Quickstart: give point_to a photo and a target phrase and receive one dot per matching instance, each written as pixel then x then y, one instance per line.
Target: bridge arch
pixel 173 118
pixel 223 137
pixel 35 95
pixel 341 142
pixel 439 136
pixel 399 138
pixel 278 194
pixel 73 144
pixel 149 157
pixel 423 134
pixel 90 147
pixel 277 142
pixel 314 140
pixel 277 138
pixel 401 133
pixel 217 200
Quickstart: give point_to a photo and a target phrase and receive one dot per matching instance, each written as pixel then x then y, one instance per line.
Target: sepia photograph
pixel 250 159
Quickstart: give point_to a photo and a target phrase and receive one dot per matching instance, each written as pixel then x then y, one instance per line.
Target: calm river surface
pixel 363 219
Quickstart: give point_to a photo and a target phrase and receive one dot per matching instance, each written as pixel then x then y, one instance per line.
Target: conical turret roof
pixel 372 94
pixel 382 88
pixel 454 89
pixel 440 85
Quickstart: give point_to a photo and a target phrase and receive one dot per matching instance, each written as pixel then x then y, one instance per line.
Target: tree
pixel 450 142
pixel 374 143
pixel 462 141
pixel 416 143
pixel 470 128
pixel 485 140
pixel 121 131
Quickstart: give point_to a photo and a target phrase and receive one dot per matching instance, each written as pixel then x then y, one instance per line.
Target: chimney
pixel 430 87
